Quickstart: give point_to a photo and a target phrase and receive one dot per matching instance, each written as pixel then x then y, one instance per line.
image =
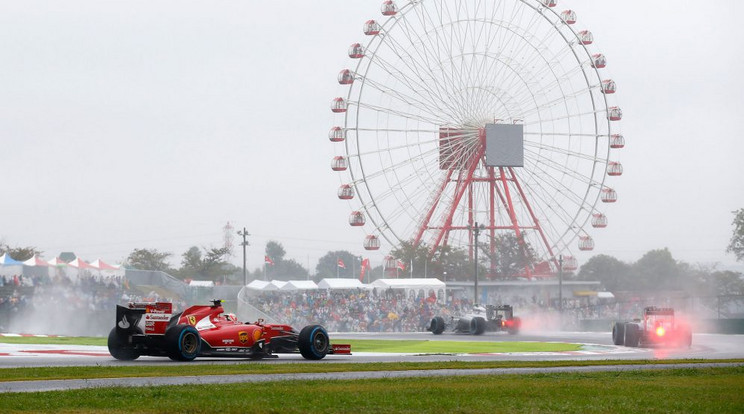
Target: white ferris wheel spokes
pixel 431 79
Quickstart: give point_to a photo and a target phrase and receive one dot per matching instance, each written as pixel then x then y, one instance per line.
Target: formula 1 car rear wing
pixel 156 317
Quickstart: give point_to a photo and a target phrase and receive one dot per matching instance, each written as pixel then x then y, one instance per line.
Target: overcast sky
pixel 151 124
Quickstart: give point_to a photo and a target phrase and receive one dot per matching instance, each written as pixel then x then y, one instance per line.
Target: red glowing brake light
pixel 660 331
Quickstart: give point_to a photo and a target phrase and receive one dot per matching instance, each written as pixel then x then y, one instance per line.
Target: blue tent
pixel 6 260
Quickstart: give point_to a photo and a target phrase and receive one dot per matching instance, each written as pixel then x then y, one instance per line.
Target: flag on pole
pixel 401 265
pixel 268 260
pixel 365 266
pixel 341 264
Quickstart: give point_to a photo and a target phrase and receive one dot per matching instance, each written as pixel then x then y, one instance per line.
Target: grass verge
pixel 166 369
pixel 54 340
pixel 715 390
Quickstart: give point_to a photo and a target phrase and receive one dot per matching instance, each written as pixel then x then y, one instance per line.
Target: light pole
pixel 560 289
pixel 476 231
pixel 245 243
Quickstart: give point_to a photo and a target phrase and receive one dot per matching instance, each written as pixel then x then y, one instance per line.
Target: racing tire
pixel 119 348
pixel 618 333
pixel 477 326
pixel 437 325
pixel 183 342
pixel 632 335
pixel 516 324
pixel 313 342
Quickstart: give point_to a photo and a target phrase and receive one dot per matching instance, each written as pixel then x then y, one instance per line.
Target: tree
pixel 727 283
pixel 328 265
pixel 291 270
pixel 511 256
pixel 657 269
pixel 148 259
pixel 416 259
pixel 191 261
pixel 611 272
pixel 275 251
pixel 20 253
pixel 736 245
pixel 211 264
pixel 452 263
pixel 283 269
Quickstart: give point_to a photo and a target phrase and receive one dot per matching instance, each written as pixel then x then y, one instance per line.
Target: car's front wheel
pixel 313 342
pixel 436 326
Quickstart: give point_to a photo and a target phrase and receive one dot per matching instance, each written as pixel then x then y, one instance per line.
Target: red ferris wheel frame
pixel 498 189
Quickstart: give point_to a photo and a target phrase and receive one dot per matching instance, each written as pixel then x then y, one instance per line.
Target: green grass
pixel 270 367
pixel 56 340
pixel 705 390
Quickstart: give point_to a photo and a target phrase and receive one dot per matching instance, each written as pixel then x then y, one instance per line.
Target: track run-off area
pixel 590 346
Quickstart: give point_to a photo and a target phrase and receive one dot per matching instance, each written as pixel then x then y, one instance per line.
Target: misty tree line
pixel 657 269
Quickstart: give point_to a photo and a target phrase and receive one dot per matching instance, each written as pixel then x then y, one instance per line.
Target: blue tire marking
pixel 180 342
pixel 312 341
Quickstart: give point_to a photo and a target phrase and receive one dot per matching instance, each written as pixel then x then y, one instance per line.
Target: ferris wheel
pixel 477 114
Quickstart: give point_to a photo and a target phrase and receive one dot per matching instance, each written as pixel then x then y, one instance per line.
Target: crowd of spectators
pixel 82 304
pixel 362 310
pixel 85 305
pixel 59 304
pixel 357 310
pixel 15 294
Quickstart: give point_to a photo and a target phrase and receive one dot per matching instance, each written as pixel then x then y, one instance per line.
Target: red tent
pixel 80 264
pixel 101 265
pixel 57 262
pixel 36 261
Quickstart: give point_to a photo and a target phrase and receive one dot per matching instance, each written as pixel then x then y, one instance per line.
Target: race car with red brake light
pixel 491 318
pixel 151 328
pixel 658 327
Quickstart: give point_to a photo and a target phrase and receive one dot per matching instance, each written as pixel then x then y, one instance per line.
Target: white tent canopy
pixel 274 285
pixel 341 284
pixel 413 287
pixel 408 283
pixel 299 285
pixel 257 284
pixel 201 283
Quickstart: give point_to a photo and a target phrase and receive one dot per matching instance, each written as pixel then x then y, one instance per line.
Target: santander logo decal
pixel 123 323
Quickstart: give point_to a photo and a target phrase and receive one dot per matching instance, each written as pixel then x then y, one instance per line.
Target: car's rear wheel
pixel 183 342
pixel 514 328
pixel 632 335
pixel 119 346
pixel 618 333
pixel 313 342
pixel 437 325
pixel 477 326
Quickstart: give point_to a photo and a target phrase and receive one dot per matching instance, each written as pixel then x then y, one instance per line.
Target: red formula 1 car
pixel 658 327
pixel 152 329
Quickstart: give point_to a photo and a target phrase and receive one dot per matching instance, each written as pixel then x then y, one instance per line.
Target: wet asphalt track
pixel 598 346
